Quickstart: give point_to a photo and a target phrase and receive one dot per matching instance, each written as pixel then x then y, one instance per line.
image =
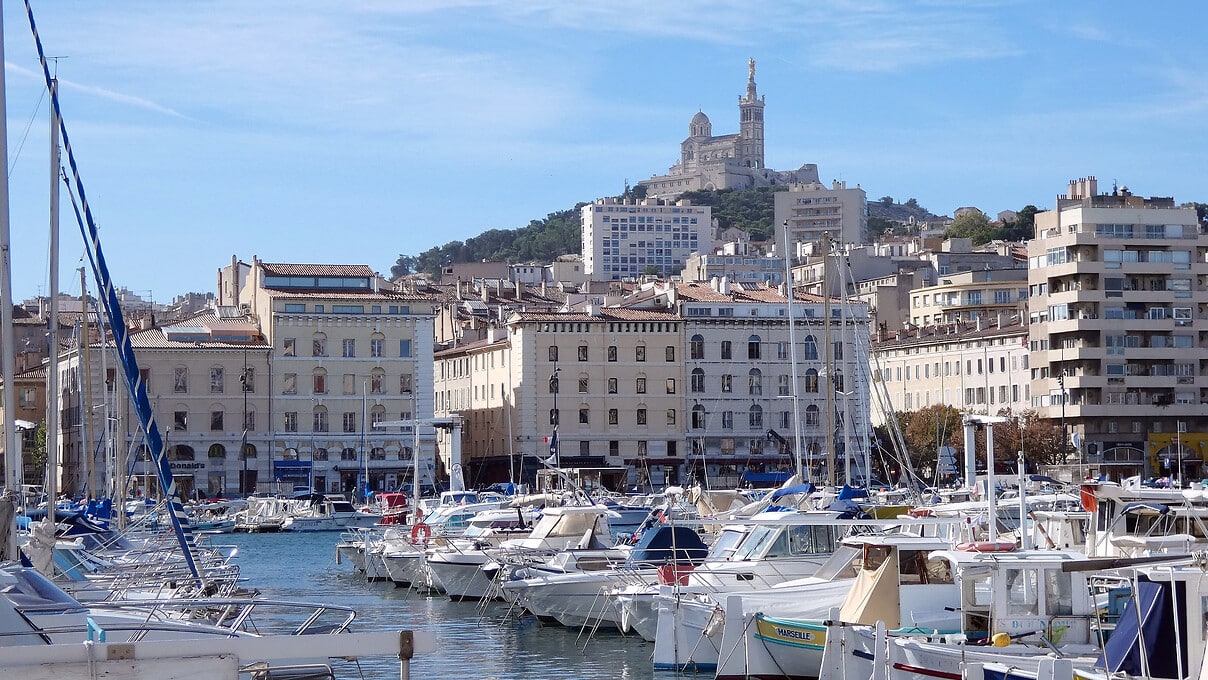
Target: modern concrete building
pixel 1118 300
pixel 969 296
pixel 625 239
pixel 811 209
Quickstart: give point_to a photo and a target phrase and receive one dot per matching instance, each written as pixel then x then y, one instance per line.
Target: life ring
pixel 420 528
pixel 987 546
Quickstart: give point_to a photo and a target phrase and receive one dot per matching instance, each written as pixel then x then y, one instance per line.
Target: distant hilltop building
pixel 726 162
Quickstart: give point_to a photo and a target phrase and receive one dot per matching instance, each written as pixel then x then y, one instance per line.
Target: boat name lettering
pixel 795 634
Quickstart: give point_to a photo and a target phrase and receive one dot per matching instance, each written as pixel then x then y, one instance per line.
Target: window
pixel 639 353
pixel 350 421
pixel 584 414
pixel 614 448
pixel 180 421
pixel 249 421
pixel 553 416
pixel 669 352
pixel 375 347
pixel 727 383
pixel 753 347
pixel 319 382
pixel 670 385
pixel 582 352
pixel 217 380
pixel 289 383
pixel 641 416
pixel 755 417
pixel 640 386
pixel 291 421
pixel 754 382
pixel 698 417
pixel 612 385
pixel 612 416
pixel 247 380
pixel 348 454
pixel 583 383
pixel 642 448
pixel 696 347
pixel 612 352
pixel 670 416
pixel 811 348
pixel 404 348
pixel 28 397
pixel 319 345
pixel 349 383
pixel 697 383
pixel 839 381
pixel 405 382
pixel 180 379
pixel 289 347
pixel 348 348
pixel 553 352
pixel 216 421
pixel 216 451
pixel 726 350
pixel 375 381
pixel 811 415
pixel 319 420
pixel 727 420
pixel 782 385
pixel 755 446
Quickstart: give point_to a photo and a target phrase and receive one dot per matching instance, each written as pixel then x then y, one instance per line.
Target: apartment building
pixel 969 296
pixel 812 208
pixel 347 351
pixel 979 366
pixel 1118 298
pixel 623 239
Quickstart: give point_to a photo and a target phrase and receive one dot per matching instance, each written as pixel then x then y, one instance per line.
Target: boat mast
pixel 50 481
pixel 12 455
pixel 829 360
pixel 86 451
pixel 788 294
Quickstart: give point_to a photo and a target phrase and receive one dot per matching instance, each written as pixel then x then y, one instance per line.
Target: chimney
pixel 486 293
pixel 977 322
pixel 458 282
pixel 519 290
pixel 542 286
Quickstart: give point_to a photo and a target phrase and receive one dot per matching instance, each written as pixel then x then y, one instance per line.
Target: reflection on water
pixel 474 642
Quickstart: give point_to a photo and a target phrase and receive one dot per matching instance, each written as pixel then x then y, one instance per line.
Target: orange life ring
pixel 987 546
pixel 418 529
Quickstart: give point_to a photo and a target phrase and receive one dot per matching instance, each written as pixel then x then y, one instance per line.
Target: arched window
pixel 754 382
pixel 811 416
pixel 376 379
pixel 753 347
pixel 811 380
pixel 319 345
pixel 290 454
pixel 811 348
pixel 216 451
pixel 698 417
pixel 696 347
pixel 756 417
pixel 249 450
pixel 319 454
pixel 698 380
pixel 180 452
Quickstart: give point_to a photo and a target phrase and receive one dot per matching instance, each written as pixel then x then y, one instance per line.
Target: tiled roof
pixel 286 269
pixel 606 314
pixel 383 295
pixel 701 291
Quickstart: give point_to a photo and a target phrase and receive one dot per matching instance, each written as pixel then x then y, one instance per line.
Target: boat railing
pixel 243 615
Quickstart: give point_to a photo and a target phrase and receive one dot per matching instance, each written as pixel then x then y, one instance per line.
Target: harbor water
pixel 475 641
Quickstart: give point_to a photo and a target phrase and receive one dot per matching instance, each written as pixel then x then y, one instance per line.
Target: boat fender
pixel 418 529
pixel 987 546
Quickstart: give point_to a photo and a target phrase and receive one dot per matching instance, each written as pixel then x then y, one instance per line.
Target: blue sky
pixel 353 131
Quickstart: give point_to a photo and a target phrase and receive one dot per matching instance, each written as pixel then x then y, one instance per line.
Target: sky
pixel 355 131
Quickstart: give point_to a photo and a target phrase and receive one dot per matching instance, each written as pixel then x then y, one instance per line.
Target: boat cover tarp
pixel 666 543
pixel 1145 507
pixel 1146 628
pixel 765 478
pixel 790 490
pixel 848 493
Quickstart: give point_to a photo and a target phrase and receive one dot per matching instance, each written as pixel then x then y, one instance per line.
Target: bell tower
pixel 750 116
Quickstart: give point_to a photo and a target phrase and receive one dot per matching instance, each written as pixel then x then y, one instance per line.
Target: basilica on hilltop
pixel 734 161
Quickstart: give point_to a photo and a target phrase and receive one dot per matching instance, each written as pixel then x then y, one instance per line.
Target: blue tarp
pixel 790 490
pixel 848 493
pixel 765 478
pixel 1151 629
pixel 665 543
pixel 1145 507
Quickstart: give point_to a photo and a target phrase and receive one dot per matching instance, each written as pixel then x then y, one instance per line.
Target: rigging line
pixel 12 163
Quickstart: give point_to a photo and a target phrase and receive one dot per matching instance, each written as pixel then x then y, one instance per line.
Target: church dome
pixel 700 125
